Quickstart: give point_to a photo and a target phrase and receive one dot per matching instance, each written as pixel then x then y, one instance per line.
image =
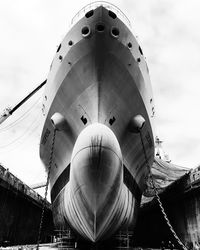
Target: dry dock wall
pixel 181 201
pixel 20 212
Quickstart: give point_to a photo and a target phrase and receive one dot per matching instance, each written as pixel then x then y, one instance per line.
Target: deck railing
pixel 107 5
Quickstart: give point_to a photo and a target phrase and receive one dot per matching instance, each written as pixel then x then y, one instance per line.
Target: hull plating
pixel 99 169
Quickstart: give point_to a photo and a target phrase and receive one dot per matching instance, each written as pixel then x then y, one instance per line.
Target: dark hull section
pixel 98 80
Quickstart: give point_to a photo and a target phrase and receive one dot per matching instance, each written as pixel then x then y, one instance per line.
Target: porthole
pixel 100 27
pixel 58 48
pixel 141 52
pixel 89 13
pixel 129 45
pixel 115 32
pixel 60 58
pixel 70 43
pixel 85 31
pixel 112 14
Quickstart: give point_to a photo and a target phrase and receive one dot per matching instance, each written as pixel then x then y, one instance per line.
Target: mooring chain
pixel 46 187
pixel 158 198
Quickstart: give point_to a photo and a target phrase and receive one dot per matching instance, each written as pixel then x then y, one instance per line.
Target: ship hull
pixel 97 80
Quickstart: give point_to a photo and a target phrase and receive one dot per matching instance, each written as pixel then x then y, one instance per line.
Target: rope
pixel 46 188
pixel 159 201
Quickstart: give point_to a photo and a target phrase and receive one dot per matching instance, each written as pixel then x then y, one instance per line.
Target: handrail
pixel 105 4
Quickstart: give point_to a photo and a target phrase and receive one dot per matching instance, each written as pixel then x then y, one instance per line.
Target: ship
pixel 98 98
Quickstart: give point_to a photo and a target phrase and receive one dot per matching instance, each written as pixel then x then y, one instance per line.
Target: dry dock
pixel 181 201
pixel 20 212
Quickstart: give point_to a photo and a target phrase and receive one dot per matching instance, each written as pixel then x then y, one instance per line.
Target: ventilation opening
pixel 115 32
pixel 84 120
pixel 112 14
pixel 100 27
pixel 58 48
pixel 89 13
pixel 112 120
pixel 141 52
pixel 85 31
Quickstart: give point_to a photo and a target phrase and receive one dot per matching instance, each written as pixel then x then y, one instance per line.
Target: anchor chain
pixel 165 215
pixel 46 187
pixel 158 198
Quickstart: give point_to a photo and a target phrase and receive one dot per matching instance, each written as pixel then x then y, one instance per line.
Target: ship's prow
pixel 98 96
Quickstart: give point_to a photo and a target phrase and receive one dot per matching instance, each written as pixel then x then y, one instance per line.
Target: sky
pixel 168 32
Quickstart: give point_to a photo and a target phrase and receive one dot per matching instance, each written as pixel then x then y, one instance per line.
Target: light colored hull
pixel 98 80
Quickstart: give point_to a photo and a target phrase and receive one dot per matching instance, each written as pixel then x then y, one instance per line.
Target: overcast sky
pixel 169 34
